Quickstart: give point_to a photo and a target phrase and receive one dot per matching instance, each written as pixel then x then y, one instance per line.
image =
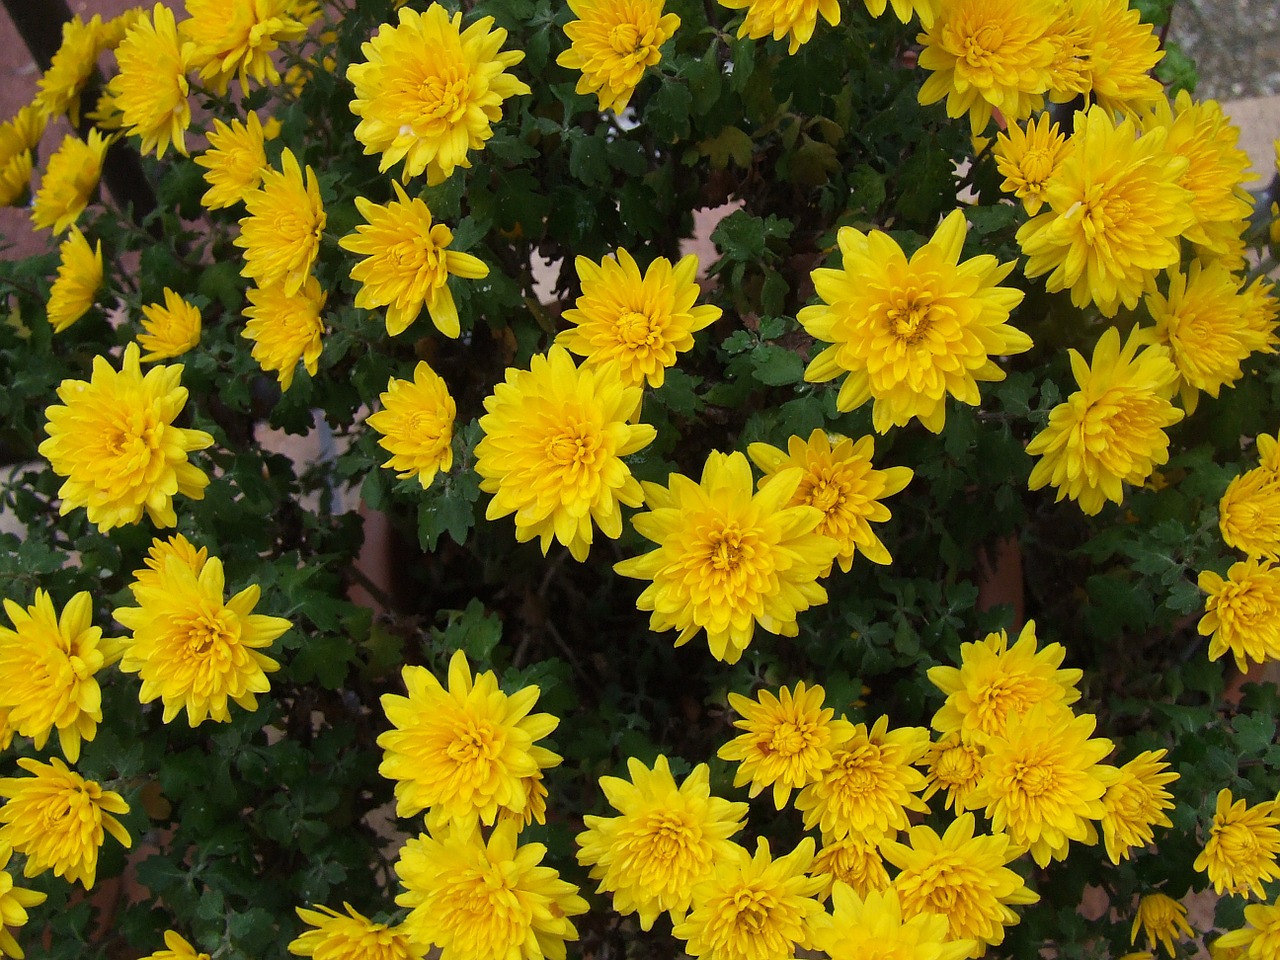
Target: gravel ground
pixel 1235 43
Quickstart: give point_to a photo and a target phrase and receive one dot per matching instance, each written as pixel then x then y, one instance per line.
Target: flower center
pixel 998 699
pixel 1036 166
pixel 789 738
pixel 443 99
pixel 669 836
pixel 635 330
pixel 977 48
pixel 826 496
pixel 423 427
pixel 752 911
pixel 726 549
pixel 576 446
pixel 476 743
pixel 956 766
pixel 1035 779
pixel 909 319
pixel 1240 844
pixel 624 38
pixel 206 631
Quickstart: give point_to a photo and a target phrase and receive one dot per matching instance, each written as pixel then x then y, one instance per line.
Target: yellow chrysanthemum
pixel 79 277
pixel 1161 919
pixel 416 425
pixel 911 332
pixel 286 329
pixel 478 901
pixel 872 927
pixel 14 901
pixel 728 560
pixel 1028 158
pixel 18 139
pixel 840 482
pixel 114 30
pixel 665 839
pixel 407 263
pixel 1111 57
pixel 158 554
pixel 431 91
pixel 554 438
pixel 194 650
pixel 68 182
pixel 926 10
pixel 1249 513
pixel 1260 939
pixel 1116 212
pixel 462 751
pixel 59 820
pixel 639 322
pixel 962 877
pixel 170 329
pixel 788 740
pixel 793 19
pixel 234 163
pixel 237 39
pixel 753 908
pixel 853 860
pixel 1112 430
pixel 871 784
pixel 1242 612
pixel 352 937
pixel 151 89
pixel 114 440
pixel 1135 803
pixel 176 947
pixel 612 43
pixel 281 234
pixel 996 684
pixel 73 64
pixel 954 764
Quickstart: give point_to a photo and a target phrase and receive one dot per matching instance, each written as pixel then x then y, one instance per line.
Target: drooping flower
pixel 79 276
pixel 286 329
pixel 612 42
pixel 237 39
pixel 910 333
pixel 1259 939
pixel 926 10
pixel 18 138
pixel 954 764
pixel 352 937
pixel 554 439
pixel 664 840
pixel 235 161
pixel 431 91
pixel 407 263
pixel 14 902
pixel 1242 612
pixel 171 329
pixel 158 554
pixel 873 927
pixel 1249 513
pixel 1028 158
pixel 1107 54
pixel 1135 803
pixel 68 182
pixel 151 89
pixel 59 820
pixel 72 65
pixel 114 440
pixel 1160 918
pixel 416 425
pixel 281 234
pixel 853 860
pixel 726 559
pixel 1239 855
pixel 793 19
pixel 639 322
pixel 176 947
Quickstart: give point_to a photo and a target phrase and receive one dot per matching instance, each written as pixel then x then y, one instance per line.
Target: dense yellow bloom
pixel 954 764
pixel 1107 54
pixel 665 839
pixel 13 907
pixel 1249 513
pixel 286 328
pixel 79 277
pixel 728 560
pixel 1116 212
pixel 176 948
pixel 1239 855
pixel 840 482
pixel 478 901
pixel 911 332
pixel 416 425
pixel 59 820
pixel 462 751
pixel 1242 612
pixel 158 554
pixel 114 440
pixel 793 19
pixel 352 937
pixel 407 263
pixel 753 908
pixel 281 234
pixel 170 330
pixel 1260 939
pixel 68 182
pixel 1028 158
pixel 554 439
pixel 18 139
pixel 151 89
pixel 431 91
pixel 853 860
pixel 1112 430
pixel 788 740
pixel 1135 803
pixel 194 650
pixel 640 322
pixel 234 163
pixel 236 38
pixel 612 42
pixel 1160 918
pixel 49 666
pixel 73 64
pixel 873 927
pixel 996 684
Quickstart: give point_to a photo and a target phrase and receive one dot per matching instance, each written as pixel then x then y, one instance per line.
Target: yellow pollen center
pixel 789 738
pixel 826 496
pixel 573 447
pixel 443 99
pixel 977 48
pixel 1035 780
pixel 909 320
pixel 635 330
pixel 669 836
pixel 1239 844
pixel 752 911
pixel 1036 166
pixel 206 632
pixel 477 743
pixel 624 38
pixel 726 549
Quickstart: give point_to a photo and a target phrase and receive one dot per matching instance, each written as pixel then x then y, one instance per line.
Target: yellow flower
pixel 478 901
pixel 192 649
pixel 962 877
pixel 234 163
pixel 793 19
pixel 407 263
pixel 170 330
pixel 150 91
pixel 281 234
pixel 728 560
pixel 753 908
pixel 115 29
pixel 871 784
pixel 1135 802
pixel 853 860
pixel 1028 158
pixel 996 684
pixel 554 436
pixel 58 818
pixel 1260 940
pixel 840 482
pixel 1242 612
pixel 1160 918
pixel 463 751
pixel 1112 430
pixel 176 948
pixel 286 328
pixel 18 138
pixel 430 91
pixel 237 39
pixel 612 42
pixel 13 907
pixel 1116 211
pixel 872 927
pixel 49 665
pixel 416 424
pixel 114 440
pixel 158 556
pixel 911 332
pixel 926 10
pixel 1112 56
pixel 352 937
pixel 955 765
pixel 79 277
pixel 1249 513
pixel 788 740
pixel 640 322
pixel 72 65
pixel 665 840
pixel 68 182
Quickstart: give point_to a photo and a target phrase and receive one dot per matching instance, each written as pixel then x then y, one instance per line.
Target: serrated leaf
pixel 1254 733
pixel 776 366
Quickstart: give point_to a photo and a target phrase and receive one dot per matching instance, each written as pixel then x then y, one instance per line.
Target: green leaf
pixel 667 114
pixel 587 160
pixel 1254 733
pixel 730 144
pixel 776 366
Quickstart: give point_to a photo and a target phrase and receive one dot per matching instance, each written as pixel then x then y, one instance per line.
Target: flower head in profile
pixel 1160 918
pixel 353 936
pixel 235 161
pixel 430 92
pixel 664 840
pixel 281 234
pixel 1249 513
pixel 195 650
pixel 1239 855
pixel 151 89
pixel 238 39
pixel 728 560
pixel 14 901
pixel 1242 612
pixel 1106 53
pixel 852 859
pixel 169 329
pixel 114 440
pixel 177 546
pixel 176 947
pixel 1135 803
pixel 1259 939
pixel 793 19
pixel 612 42
pixel 953 764
pixel 641 322
pixel 416 425
pixel 926 10
pixel 59 820
pixel 554 439
pixel 407 263
pixel 875 927
pixel 68 182
pixel 72 65
pixel 908 333
pixel 1028 157
pixel 19 136
pixel 79 277
pixel 286 329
